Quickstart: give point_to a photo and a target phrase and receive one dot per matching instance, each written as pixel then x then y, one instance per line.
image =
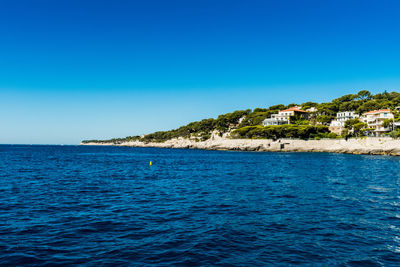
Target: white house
pixel 274 121
pixel 312 109
pixel 346 115
pixel 283 117
pixel 337 125
pixel 374 119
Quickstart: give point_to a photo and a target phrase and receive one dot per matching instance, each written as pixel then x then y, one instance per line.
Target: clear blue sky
pixel 73 70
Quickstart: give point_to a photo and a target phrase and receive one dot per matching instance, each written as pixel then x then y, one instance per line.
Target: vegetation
pixel 325 119
pixel 247 123
pixel 387 123
pixel 114 140
pixel 281 131
pixel 395 133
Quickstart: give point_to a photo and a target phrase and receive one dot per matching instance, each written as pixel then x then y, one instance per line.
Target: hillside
pixel 248 123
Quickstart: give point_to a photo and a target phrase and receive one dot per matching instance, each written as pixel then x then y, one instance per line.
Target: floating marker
pixel 151 163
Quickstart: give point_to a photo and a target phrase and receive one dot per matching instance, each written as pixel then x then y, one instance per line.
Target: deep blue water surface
pixel 106 206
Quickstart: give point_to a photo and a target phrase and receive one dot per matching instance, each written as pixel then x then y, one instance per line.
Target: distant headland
pixel 360 123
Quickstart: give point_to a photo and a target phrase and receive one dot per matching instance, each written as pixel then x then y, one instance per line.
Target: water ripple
pixel 94 206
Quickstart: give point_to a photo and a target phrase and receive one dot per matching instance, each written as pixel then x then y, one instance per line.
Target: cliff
pixel 366 145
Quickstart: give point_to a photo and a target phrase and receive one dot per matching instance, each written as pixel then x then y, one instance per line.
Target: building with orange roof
pixel 375 118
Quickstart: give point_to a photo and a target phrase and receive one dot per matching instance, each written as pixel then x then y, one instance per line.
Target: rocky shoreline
pixel 366 145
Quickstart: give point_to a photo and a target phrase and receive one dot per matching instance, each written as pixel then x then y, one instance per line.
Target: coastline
pixel 366 145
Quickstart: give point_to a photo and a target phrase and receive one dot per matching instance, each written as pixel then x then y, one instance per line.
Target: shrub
pixel 281 131
pixel 332 135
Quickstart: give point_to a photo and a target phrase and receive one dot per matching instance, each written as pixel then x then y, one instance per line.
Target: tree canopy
pixel 239 121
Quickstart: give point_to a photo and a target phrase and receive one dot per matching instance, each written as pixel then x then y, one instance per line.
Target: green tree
pixel 325 119
pixel 277 107
pixel 332 135
pixel 349 124
pixel 364 95
pixel 308 105
pixel 355 126
pixel 291 105
pixel 329 109
pixel 387 123
pixel 358 128
pixel 260 110
pixel 345 133
pixel 368 106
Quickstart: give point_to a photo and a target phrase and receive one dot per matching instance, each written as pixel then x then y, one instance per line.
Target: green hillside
pixel 247 123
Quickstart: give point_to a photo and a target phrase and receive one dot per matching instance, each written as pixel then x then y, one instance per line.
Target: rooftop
pixel 293 109
pixel 377 111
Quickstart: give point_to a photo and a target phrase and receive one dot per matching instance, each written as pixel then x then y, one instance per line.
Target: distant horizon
pixel 76 70
pixel 252 108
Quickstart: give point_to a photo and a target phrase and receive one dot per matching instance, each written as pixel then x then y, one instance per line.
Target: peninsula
pixel 359 123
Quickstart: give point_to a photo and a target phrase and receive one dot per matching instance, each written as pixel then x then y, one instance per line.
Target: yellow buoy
pixel 151 163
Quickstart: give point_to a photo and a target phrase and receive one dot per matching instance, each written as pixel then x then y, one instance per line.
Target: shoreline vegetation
pixel 245 130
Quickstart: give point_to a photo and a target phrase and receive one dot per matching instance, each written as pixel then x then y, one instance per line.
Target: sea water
pixel 98 206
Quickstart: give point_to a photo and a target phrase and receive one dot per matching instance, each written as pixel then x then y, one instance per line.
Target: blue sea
pixel 106 206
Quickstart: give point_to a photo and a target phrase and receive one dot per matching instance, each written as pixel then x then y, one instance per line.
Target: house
pixel 275 120
pixel 294 111
pixel 283 117
pixel 312 112
pixel 374 119
pixel 337 125
pixel 346 115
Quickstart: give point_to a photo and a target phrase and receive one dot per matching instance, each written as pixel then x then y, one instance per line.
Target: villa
pixel 275 120
pixel 312 109
pixel 283 117
pixel 337 125
pixel 346 115
pixel 374 119
pixel 287 113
